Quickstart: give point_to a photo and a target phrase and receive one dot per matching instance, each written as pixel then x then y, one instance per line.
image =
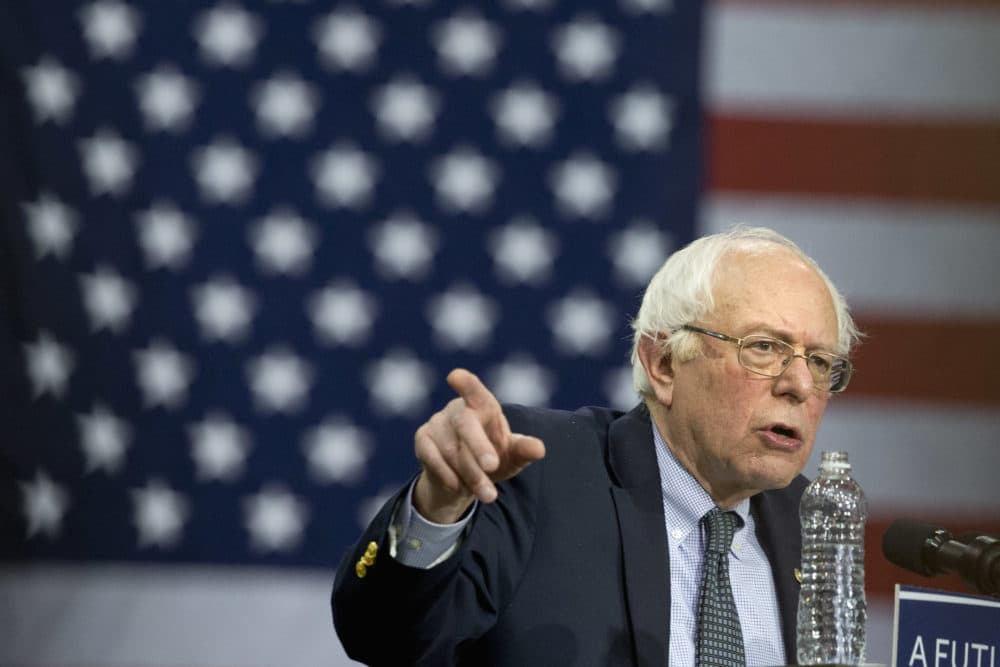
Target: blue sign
pixel 936 629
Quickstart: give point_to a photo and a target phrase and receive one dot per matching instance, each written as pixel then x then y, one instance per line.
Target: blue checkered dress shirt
pixel 684 503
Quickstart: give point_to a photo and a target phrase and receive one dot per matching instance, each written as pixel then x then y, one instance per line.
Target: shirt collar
pixel 685 501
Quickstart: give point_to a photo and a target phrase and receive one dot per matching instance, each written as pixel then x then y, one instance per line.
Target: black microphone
pixel 926 550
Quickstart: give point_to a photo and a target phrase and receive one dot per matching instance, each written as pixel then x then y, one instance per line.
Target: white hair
pixel 681 293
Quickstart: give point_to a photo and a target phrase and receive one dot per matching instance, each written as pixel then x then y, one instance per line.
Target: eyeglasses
pixel 769 356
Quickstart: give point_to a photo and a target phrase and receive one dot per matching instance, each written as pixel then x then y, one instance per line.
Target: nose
pixel 796 381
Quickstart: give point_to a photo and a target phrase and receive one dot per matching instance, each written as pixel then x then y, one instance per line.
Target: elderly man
pixel 666 535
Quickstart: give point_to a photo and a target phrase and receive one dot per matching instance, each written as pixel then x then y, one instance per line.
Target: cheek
pixel 740 401
pixel 815 414
pixel 731 416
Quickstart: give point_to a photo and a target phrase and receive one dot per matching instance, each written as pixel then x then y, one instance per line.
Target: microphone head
pixel 909 544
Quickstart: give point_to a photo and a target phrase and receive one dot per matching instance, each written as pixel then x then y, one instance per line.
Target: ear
pixel 658 362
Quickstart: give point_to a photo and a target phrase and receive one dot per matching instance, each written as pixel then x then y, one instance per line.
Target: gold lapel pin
pixel 798 575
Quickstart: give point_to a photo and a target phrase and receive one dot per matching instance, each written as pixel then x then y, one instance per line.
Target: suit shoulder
pixel 798 486
pixel 786 500
pixel 546 421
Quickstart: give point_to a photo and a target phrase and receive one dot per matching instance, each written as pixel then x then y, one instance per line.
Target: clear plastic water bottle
pixel 832 609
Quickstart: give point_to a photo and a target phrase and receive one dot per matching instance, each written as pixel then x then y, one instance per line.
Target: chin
pixel 775 476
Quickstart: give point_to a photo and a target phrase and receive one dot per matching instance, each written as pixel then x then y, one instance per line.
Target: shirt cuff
pixel 416 542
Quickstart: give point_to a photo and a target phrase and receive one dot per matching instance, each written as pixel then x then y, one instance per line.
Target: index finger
pixel 475 394
pixel 472 390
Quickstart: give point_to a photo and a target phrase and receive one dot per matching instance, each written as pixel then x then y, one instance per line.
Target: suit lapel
pixel 782 542
pixel 638 503
pixel 639 506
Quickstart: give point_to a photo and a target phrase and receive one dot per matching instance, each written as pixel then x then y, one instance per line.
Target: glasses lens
pixel 770 356
pixel 767 356
pixel 840 374
pixel 829 371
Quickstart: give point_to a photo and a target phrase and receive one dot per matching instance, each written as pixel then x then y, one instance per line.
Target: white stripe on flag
pixel 921 458
pixel 886 257
pixel 166 616
pixel 851 59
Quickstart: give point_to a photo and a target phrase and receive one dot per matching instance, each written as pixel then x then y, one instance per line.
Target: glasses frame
pixel 739 355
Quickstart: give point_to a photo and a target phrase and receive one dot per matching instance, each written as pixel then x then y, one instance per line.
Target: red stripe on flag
pixel 922 359
pixel 910 160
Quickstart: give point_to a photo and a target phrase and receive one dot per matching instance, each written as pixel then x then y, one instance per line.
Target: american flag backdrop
pixel 242 244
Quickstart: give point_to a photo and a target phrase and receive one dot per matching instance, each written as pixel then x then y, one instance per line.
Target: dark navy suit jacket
pixel 568 567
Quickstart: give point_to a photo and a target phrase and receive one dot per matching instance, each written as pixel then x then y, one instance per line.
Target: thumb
pixel 524 450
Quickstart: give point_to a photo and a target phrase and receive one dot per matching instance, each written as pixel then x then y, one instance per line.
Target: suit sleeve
pixel 387 613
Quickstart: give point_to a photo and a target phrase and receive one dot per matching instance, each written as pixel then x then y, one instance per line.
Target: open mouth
pixel 783 435
pixel 786 431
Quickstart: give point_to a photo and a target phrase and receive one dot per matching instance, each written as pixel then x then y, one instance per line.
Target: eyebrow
pixel 763 328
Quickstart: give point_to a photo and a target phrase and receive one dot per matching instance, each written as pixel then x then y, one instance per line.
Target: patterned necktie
pixel 720 639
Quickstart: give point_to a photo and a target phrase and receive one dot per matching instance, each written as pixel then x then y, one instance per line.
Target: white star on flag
pixel 167 98
pixel 283 242
pixel 163 374
pixel 403 246
pixel 524 114
pixel 49 365
pixel 638 251
pixel 275 519
pixel 51 89
pixel 529 5
pixel 643 118
pixel 51 225
pixel 464 180
pixel 285 105
pixel 648 6
pixel 227 35
pixel 586 48
pixel 583 186
pixel 462 318
pixel 370 506
pixel 166 235
pixel 399 384
pixel 109 162
pixel 518 379
pixel 347 39
pixel 225 171
pixel 342 314
pixel 159 514
pixel 581 323
pixel 523 251
pixel 405 109
pixel 110 28
pixel 219 447
pixel 466 44
pixel 44 505
pixel 108 299
pixel 338 451
pixel 280 380
pixel 344 175
pixel 223 309
pixel 104 437
pixel 619 389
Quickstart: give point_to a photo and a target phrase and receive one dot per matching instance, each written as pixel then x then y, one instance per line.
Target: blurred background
pixel 242 244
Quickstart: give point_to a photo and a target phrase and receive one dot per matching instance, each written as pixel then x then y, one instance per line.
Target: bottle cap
pixel 835 461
